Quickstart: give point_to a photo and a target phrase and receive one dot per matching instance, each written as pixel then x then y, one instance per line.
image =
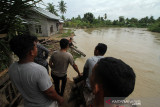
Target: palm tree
pixel 62 6
pixel 63 17
pixel 105 16
pixel 51 8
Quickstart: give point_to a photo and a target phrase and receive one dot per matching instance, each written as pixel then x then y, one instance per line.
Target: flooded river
pixel 137 47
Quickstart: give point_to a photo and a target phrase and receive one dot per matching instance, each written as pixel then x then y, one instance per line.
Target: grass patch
pixel 74 54
pixel 48 46
pixel 67 34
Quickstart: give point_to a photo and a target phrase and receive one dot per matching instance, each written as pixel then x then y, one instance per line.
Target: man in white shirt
pixel 99 52
pixel 31 79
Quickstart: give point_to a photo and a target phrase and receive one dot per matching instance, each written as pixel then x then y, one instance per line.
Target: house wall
pixel 52 23
pixel 39 20
pixel 60 26
pixel 45 25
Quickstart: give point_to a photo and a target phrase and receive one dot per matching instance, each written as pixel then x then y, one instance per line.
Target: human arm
pixel 51 62
pixel 52 94
pixel 45 85
pixel 86 70
pixel 75 67
pixel 45 50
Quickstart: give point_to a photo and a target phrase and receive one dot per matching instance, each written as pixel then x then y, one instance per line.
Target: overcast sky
pixel 113 8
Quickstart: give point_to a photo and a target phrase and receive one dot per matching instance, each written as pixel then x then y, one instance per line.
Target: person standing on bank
pixel 42 55
pixel 58 63
pixel 99 52
pixel 31 79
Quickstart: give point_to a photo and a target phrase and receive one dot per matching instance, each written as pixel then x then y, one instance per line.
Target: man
pixel 111 77
pixel 31 79
pixel 59 62
pixel 42 55
pixel 99 51
pixel 70 42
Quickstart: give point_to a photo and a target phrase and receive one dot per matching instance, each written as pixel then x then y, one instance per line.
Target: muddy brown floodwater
pixel 137 47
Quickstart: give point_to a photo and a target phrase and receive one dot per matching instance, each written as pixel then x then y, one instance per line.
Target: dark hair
pixel 116 77
pixel 102 48
pixel 64 43
pixel 35 38
pixel 70 38
pixel 21 45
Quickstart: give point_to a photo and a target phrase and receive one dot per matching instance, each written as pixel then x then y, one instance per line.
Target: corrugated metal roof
pixel 61 21
pixel 45 13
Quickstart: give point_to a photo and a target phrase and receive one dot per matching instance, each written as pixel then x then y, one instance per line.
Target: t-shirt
pixel 31 79
pixel 42 55
pixel 61 60
pixel 90 64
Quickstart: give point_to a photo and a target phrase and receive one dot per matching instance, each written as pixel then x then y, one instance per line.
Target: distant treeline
pixel 89 21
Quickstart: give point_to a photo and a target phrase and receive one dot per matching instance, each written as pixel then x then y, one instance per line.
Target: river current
pixel 137 47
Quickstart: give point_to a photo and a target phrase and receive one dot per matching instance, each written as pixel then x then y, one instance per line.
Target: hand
pixel 79 74
pixel 61 100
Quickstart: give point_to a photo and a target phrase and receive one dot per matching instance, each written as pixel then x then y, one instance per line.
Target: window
pixel 51 29
pixel 57 24
pixel 38 29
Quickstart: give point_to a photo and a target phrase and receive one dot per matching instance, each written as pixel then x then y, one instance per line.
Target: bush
pixel 155 27
pixel 68 33
pixel 5 58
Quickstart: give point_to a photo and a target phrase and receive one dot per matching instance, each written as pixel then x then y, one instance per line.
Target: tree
pixel 88 17
pixel 79 17
pixel 102 19
pixel 133 20
pixel 51 8
pixel 62 6
pixel 151 19
pixel 12 15
pixel 158 19
pixel 12 12
pixel 144 21
pixel 99 18
pixel 105 16
pixel 127 21
pixel 63 17
pixel 115 22
pixel 121 19
pixel 72 18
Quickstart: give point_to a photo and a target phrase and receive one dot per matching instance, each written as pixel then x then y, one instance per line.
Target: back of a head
pixel 116 77
pixel 71 38
pixel 64 43
pixel 35 38
pixel 21 45
pixel 102 48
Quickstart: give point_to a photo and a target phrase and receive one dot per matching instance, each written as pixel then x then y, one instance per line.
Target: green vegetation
pixel 51 8
pixel 74 54
pixel 61 8
pixel 155 27
pixel 67 33
pixel 13 13
pixel 4 55
pixel 89 21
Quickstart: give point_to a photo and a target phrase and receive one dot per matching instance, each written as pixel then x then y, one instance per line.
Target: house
pixel 61 22
pixel 44 23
